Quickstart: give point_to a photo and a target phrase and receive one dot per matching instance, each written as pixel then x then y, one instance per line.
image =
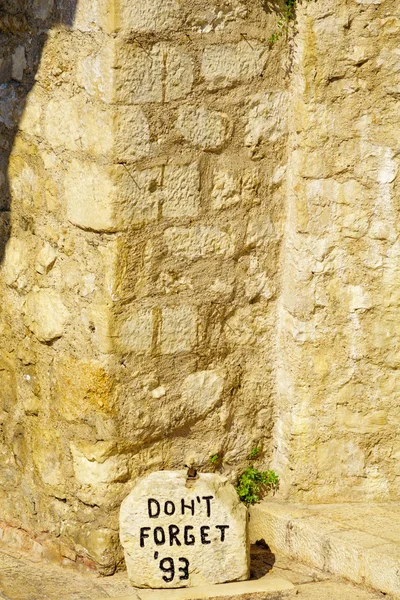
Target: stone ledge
pixel 275 588
pixel 359 542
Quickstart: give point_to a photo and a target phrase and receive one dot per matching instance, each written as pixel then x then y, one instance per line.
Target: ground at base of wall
pixel 24 579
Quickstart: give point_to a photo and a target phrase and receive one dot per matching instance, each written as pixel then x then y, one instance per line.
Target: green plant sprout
pixel 255 452
pixel 215 458
pixel 252 483
pixel 288 14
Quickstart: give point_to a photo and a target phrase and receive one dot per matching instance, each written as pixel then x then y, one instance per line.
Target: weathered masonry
pixel 199 254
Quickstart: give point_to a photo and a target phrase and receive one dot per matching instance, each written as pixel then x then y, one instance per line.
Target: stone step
pixel 265 588
pixel 359 542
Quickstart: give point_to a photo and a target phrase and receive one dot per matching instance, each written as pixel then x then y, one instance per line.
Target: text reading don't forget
pixel 173 535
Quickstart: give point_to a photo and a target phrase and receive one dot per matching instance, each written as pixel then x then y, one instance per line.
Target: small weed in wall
pixel 214 459
pixel 254 452
pixel 253 483
pixel 287 16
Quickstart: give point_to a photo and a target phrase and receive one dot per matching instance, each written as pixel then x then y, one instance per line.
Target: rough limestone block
pixel 272 522
pixel 135 333
pixel 259 229
pixel 201 392
pixel 140 195
pixel 178 329
pixel 207 129
pixel 95 72
pixel 90 194
pixel 224 65
pixel 150 15
pixel 111 198
pixel 31 117
pixel 45 314
pixel 226 189
pixel 82 390
pixel 92 15
pixel 178 534
pixel 45 259
pixel 48 454
pixel 139 74
pixel 345 556
pixel 179 76
pixel 267 119
pixel 181 191
pixel 87 127
pixel 25 182
pixel 95 470
pixel 16 262
pixel 198 241
pixel 132 134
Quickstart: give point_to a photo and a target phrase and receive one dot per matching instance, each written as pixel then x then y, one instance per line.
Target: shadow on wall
pixel 24 25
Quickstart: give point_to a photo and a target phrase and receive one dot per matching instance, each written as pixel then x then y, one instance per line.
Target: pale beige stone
pixel 344 538
pixel 93 15
pixel 181 191
pixel 95 73
pixel 178 329
pixel 200 393
pixel 16 262
pixel 158 392
pixel 32 115
pixel 25 183
pixel 215 562
pixel 135 332
pixel 140 195
pixel 48 456
pixel 259 229
pixel 45 314
pixel 198 241
pixel 132 134
pixel 240 241
pixel 179 76
pixel 205 128
pixel 90 194
pixel 223 66
pixel 150 15
pixel 226 190
pixel 94 470
pixel 138 77
pixel 359 298
pixel 45 259
pixel 79 126
pixel 361 423
pixel 267 119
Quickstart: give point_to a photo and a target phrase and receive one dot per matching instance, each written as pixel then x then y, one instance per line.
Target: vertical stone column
pixel 62 465
pixel 140 280
pixel 339 311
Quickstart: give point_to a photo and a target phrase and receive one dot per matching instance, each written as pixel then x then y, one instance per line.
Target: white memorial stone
pixel 180 532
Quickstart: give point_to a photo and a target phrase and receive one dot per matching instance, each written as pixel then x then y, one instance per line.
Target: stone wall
pixel 201 254
pixel 141 275
pixel 338 378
